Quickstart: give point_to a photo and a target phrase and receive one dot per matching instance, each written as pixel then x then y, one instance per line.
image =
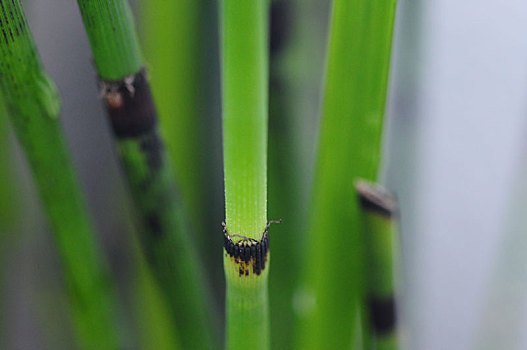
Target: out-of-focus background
pixel 455 154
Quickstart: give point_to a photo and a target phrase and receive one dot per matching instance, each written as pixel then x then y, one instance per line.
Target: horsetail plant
pixel 379 216
pixel 246 256
pixel 164 234
pixel 33 106
pixel 349 147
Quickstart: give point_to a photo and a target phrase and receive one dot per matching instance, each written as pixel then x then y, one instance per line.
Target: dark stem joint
pixel 376 199
pixel 130 105
pixel 248 249
pixel 382 315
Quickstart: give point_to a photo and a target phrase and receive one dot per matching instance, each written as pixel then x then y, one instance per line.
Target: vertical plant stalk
pixel 164 234
pixel 380 231
pixel 285 187
pixel 245 263
pixel 245 95
pixel 349 147
pixel 297 45
pixel 155 321
pixel 172 33
pixel 34 107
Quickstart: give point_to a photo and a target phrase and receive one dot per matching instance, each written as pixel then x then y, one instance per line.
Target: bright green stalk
pixel 349 147
pixel 164 233
pixel 245 93
pixel 246 258
pixel 380 231
pixel 34 106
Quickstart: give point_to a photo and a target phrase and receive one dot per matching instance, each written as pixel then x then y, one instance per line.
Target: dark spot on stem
pixel 249 253
pixel 382 314
pixel 152 146
pixel 154 224
pixel 375 198
pixel 130 105
pixel 280 25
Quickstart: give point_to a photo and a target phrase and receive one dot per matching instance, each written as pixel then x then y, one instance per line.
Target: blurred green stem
pixel 164 233
pixel 349 147
pixel 380 224
pixel 34 108
pixel 297 51
pixel 172 41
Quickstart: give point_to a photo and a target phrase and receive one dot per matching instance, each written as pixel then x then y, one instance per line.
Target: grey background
pixel 456 145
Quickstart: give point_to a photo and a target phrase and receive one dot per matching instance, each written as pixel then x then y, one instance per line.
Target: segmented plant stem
pixel 34 106
pixel 245 82
pixel 246 270
pixel 349 147
pixel 246 255
pixel 164 234
pixel 379 216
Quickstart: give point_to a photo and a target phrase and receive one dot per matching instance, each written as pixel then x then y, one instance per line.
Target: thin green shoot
pixel 172 44
pixel 380 226
pixel 34 106
pixel 164 231
pixel 246 256
pixel 349 147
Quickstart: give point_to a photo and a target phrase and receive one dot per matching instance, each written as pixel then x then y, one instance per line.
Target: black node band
pixel 130 105
pixel 382 315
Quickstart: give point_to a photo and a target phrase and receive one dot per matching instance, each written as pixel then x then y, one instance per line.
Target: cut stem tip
pixel 375 198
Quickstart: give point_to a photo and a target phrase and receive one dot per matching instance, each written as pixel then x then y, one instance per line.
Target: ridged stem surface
pixel 245 96
pixel 113 39
pixel 245 82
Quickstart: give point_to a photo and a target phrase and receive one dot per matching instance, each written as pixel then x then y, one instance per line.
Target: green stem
pixel 247 275
pixel 380 230
pixel 164 236
pixel 155 323
pixel 34 108
pixel 297 45
pixel 113 39
pixel 245 93
pixel 296 74
pixel 349 147
pixel 246 258
pixel 172 47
